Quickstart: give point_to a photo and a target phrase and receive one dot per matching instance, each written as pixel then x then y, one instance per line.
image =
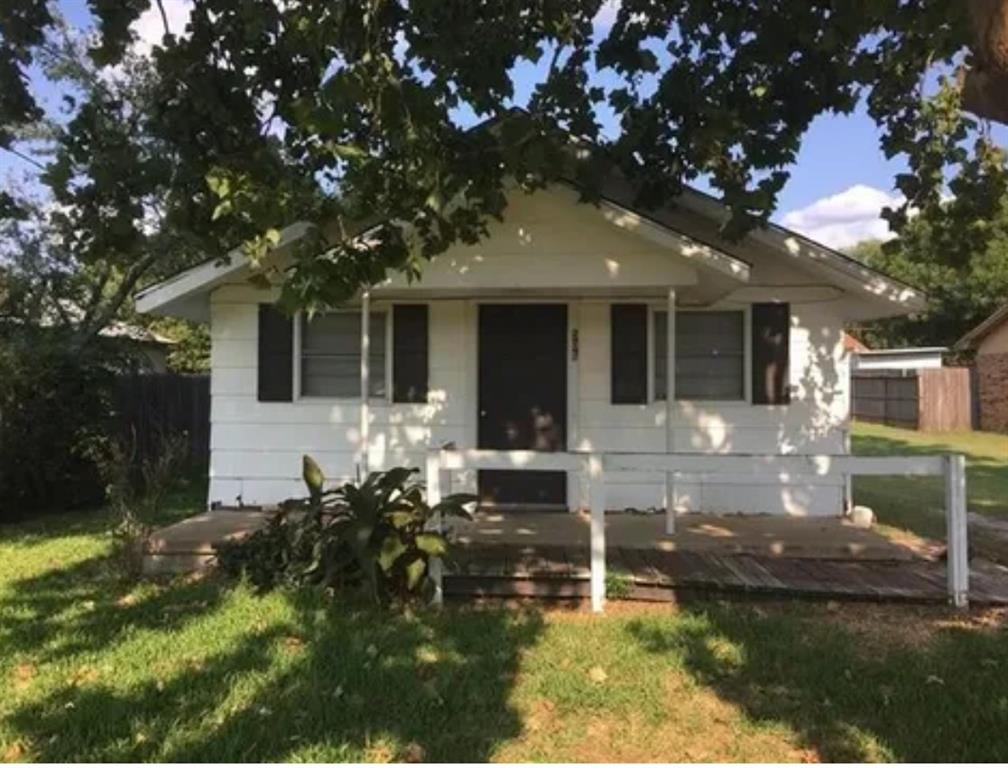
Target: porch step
pixel 651 575
pixel 188 546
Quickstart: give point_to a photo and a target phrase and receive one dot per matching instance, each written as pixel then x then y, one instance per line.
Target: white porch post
pixel 957 555
pixel 365 381
pixel 598 544
pixel 670 477
pixel 433 499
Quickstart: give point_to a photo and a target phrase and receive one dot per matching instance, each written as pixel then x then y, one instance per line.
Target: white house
pixel 551 334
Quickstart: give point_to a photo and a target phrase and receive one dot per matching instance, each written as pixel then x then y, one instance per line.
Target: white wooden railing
pixel 594 467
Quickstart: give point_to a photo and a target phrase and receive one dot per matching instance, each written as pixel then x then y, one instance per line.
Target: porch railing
pixel 594 467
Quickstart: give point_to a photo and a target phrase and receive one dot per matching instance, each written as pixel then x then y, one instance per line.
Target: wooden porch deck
pixel 563 572
pixel 547 555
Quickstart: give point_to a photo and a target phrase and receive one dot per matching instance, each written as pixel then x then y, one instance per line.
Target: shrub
pixel 375 535
pixel 53 398
pixel 135 487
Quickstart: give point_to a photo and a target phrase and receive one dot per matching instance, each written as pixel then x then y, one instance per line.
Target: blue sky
pixel 837 187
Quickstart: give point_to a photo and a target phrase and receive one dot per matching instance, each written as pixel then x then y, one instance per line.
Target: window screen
pixel 710 355
pixel 331 354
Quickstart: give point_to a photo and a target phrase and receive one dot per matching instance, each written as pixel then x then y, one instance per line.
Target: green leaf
pixel 223 208
pixel 312 474
pixel 434 544
pixel 400 520
pixel 346 151
pixel 391 549
pixel 415 572
pixel 219 184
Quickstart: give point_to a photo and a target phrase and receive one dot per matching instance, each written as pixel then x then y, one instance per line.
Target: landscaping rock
pixel 862 517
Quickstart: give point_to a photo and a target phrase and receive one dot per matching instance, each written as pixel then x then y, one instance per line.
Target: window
pixel 710 355
pixel 331 355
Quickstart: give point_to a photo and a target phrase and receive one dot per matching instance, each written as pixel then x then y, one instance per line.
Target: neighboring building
pixel 990 342
pixel 150 347
pixel 898 360
pixel 853 343
pixel 549 335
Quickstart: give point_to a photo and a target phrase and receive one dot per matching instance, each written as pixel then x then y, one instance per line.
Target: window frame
pixel 746 312
pixel 296 359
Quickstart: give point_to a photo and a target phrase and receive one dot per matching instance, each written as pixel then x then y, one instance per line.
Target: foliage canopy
pixel 351 113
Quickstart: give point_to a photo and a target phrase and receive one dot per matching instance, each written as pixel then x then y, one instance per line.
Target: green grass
pixel 96 667
pixel 918 504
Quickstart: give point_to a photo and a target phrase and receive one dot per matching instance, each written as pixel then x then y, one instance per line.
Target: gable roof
pixel 988 326
pixel 185 293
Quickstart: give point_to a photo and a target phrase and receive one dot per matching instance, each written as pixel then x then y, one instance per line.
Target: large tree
pixel 964 283
pixel 352 111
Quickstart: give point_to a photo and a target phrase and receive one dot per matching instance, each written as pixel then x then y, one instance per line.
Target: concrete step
pixel 189 545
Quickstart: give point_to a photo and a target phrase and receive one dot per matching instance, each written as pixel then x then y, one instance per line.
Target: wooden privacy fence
pixel 931 400
pixel 150 405
pixel 595 466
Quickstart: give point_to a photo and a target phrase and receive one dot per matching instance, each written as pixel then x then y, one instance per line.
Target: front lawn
pixel 93 667
pixel 918 503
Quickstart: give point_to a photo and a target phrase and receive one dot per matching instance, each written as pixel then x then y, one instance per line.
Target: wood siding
pixel 257 447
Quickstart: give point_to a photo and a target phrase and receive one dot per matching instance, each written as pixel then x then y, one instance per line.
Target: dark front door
pixel 523 397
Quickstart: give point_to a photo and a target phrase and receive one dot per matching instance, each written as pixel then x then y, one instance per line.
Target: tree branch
pixel 164 17
pixel 102 317
pixel 24 157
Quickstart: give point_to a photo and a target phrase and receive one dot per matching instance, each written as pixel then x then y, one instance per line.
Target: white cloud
pixel 845 218
pixel 149 27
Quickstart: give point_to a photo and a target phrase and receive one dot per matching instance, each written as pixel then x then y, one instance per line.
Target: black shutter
pixel 276 350
pixel 629 353
pixel 409 353
pixel 771 335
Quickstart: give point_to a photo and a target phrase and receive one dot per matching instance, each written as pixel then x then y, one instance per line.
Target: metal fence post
pixel 598 544
pixel 957 553
pixel 433 499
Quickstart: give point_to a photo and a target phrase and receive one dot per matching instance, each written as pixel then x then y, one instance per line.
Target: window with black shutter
pixel 771 334
pixel 409 353
pixel 275 358
pixel 710 355
pixel 629 353
pixel 331 355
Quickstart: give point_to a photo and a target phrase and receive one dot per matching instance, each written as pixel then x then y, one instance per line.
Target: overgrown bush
pixel 374 536
pixel 54 397
pixel 135 486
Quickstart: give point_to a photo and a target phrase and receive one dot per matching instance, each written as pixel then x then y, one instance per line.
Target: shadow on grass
pixel 85 607
pixel 849 698
pixel 324 682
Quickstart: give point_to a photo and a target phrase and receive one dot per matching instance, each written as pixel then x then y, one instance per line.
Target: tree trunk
pixel 985 89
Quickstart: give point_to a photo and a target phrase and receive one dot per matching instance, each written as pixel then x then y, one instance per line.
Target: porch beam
pixel 434 479
pixel 784 466
pixel 478 458
pixel 957 553
pixel 365 381
pixel 670 349
pixel 597 493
